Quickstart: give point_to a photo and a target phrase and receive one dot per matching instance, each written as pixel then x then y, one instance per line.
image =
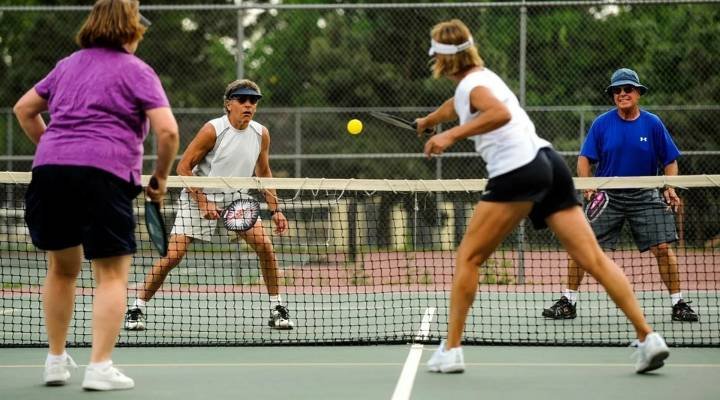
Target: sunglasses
pixel 619 89
pixel 242 99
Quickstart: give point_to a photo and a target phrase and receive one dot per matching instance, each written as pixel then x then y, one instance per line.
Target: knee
pixel 171 261
pixel 263 247
pixel 473 259
pixel 590 260
pixel 64 273
pixel 661 251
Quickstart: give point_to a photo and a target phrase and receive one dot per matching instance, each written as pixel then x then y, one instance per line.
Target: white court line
pixel 8 311
pixel 369 364
pixel 407 376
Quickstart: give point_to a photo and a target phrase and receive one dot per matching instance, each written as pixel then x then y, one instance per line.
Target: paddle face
pixel 596 206
pixel 241 215
pixel 155 224
pixel 399 121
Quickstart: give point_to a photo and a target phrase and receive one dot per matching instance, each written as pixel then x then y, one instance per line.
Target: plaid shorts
pixel 650 219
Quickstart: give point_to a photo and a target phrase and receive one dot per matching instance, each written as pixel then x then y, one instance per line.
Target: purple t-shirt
pixel 97 99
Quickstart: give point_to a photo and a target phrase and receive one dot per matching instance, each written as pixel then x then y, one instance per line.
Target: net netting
pixel 370 262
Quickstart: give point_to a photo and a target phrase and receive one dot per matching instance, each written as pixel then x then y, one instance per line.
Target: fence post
pixel 523 53
pixel 10 194
pixel 240 39
pixel 9 141
pixel 298 144
pixel 522 78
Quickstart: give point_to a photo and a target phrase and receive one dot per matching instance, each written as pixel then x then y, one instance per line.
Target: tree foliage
pixel 355 58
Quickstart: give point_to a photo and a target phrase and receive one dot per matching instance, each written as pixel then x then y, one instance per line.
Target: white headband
pixel 442 48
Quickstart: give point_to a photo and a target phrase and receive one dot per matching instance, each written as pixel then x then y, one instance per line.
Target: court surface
pixel 375 372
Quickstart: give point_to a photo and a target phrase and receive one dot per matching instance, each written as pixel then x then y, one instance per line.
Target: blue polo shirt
pixel 642 147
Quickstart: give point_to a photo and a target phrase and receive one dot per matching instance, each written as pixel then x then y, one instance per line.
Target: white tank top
pixel 234 155
pixel 510 146
pixel 235 152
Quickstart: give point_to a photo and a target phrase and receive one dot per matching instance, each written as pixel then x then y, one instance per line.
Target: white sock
pixel 675 297
pixel 56 359
pixel 275 301
pixel 100 365
pixel 139 304
pixel 571 295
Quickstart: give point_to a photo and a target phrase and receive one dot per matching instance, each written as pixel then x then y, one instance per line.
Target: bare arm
pixel 262 170
pixel 671 198
pixel 196 151
pixel 167 137
pixel 28 112
pixel 444 113
pixel 584 170
pixel 583 167
pixel 493 114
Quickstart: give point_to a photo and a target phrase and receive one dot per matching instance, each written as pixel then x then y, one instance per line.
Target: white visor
pixel 442 48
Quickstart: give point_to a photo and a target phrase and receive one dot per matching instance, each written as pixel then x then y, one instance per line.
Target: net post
pixel 352 228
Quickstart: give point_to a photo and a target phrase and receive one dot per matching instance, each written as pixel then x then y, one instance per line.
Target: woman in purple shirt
pixel 86 173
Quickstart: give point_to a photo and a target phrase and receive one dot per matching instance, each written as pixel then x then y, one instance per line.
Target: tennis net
pixel 371 261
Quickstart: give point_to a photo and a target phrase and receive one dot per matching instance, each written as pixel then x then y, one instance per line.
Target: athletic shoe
pixel 108 378
pixel 681 311
pixel 650 354
pixel 562 309
pixel 135 320
pixel 447 361
pixel 280 318
pixel 56 372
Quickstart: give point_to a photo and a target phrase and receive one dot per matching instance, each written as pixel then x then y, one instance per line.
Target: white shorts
pixel 190 223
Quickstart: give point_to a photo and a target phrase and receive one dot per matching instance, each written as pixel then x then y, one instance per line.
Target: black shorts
pixel 546 181
pixel 66 206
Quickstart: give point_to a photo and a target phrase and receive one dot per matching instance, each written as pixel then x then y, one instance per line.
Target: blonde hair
pixel 111 23
pixel 453 32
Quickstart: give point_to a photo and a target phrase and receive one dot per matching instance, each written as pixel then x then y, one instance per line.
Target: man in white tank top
pixel 527 179
pixel 229 146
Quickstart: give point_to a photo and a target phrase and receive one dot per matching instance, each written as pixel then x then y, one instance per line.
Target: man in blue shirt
pixel 629 141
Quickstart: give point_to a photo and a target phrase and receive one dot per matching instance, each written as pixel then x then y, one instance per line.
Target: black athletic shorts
pixel 66 206
pixel 546 181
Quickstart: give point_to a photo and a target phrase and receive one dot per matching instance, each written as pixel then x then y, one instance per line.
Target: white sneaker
pixel 447 361
pixel 650 354
pixel 56 372
pixel 109 378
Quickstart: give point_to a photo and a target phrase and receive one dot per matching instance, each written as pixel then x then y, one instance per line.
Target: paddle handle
pixel 153 185
pixel 427 131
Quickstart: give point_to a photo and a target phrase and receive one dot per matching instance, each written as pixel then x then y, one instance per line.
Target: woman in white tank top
pixel 527 178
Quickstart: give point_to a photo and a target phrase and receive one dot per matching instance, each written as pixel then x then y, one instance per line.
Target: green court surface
pixel 375 372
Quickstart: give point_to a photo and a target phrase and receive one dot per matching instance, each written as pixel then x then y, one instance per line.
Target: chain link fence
pixel 320 65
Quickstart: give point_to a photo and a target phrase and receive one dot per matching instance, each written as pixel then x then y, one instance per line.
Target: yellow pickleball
pixel 354 126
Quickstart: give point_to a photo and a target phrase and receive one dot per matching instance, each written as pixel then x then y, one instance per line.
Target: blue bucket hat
pixel 625 76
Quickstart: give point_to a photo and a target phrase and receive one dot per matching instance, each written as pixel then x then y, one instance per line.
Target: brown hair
pixel 453 32
pixel 111 23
